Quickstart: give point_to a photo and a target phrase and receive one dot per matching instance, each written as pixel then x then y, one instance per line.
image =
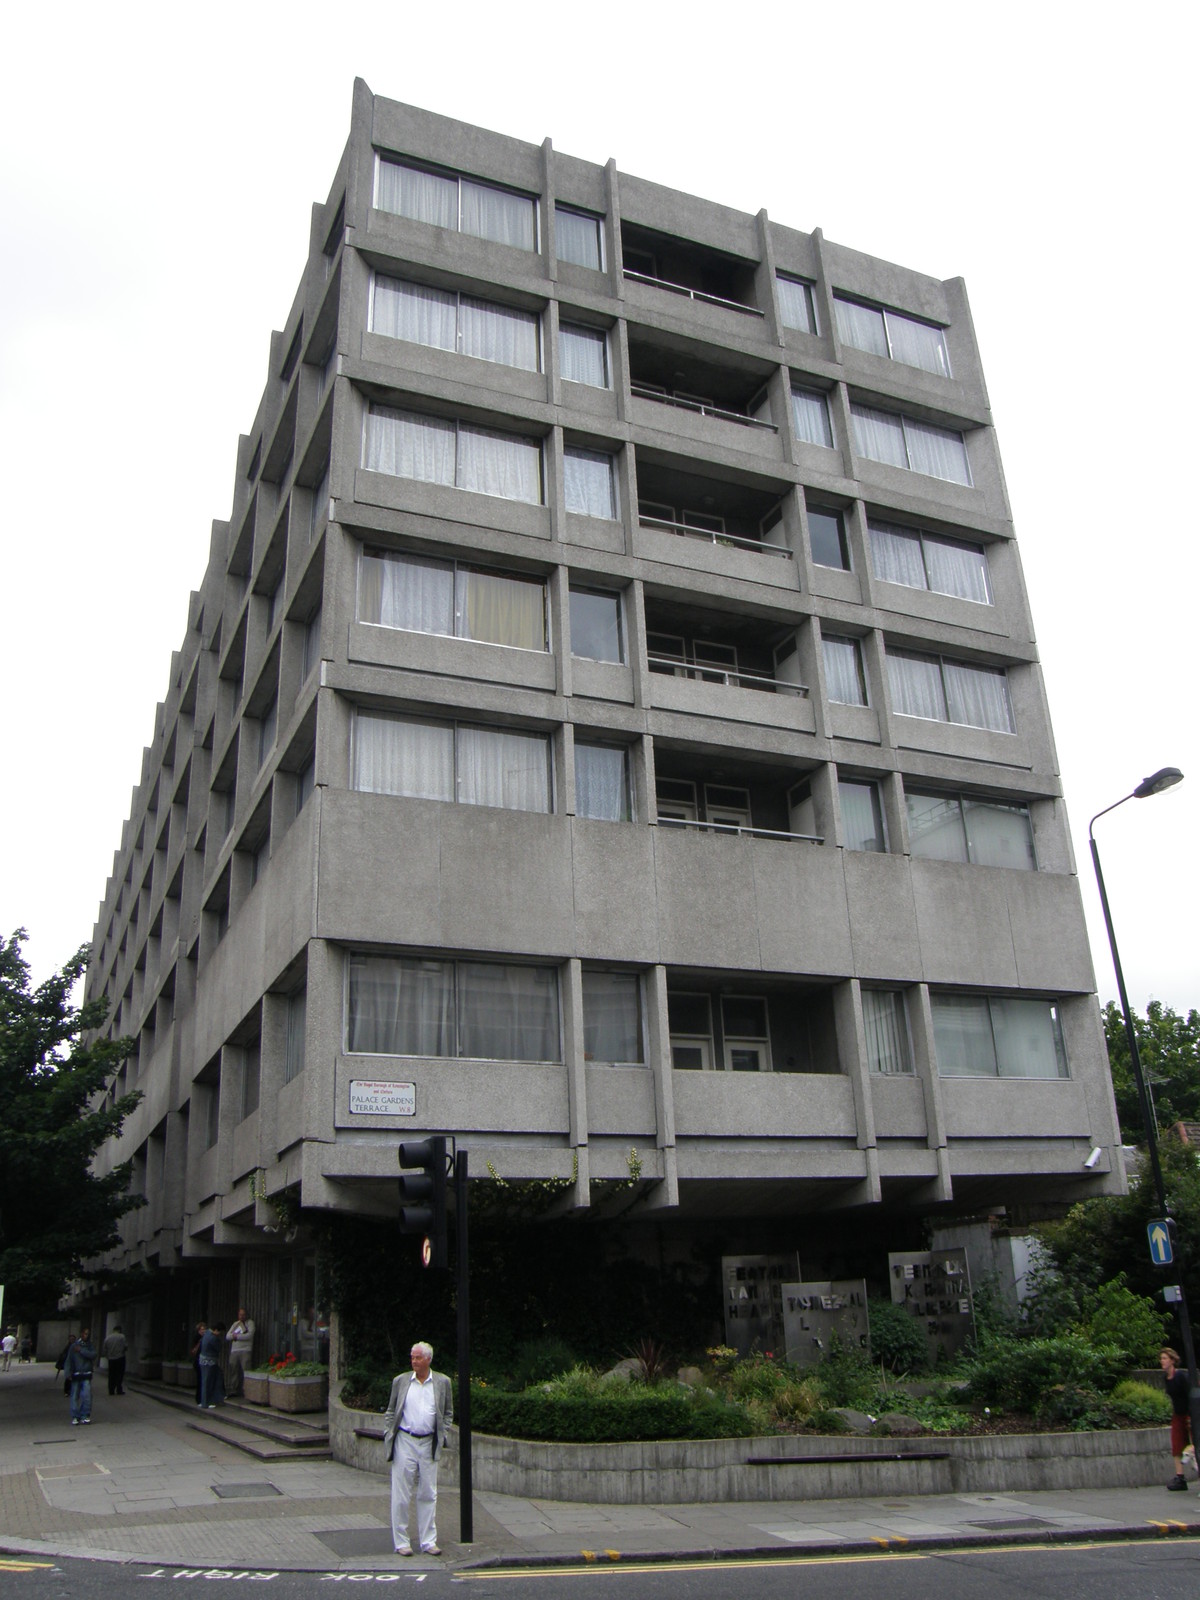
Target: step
pixel 260 1448
pixel 295 1432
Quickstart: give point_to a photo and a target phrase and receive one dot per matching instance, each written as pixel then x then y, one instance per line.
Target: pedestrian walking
pixel 420 1409
pixel 241 1346
pixel 7 1346
pixel 77 1371
pixel 26 1348
pixel 113 1350
pixel 1178 1386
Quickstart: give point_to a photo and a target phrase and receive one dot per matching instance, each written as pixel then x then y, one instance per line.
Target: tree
pixel 1169 1049
pixel 55 1213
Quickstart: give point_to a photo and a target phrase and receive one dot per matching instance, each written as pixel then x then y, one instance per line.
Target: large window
pixel 845 681
pixel 887 333
pixel 448 201
pixel 448 321
pixel 424 595
pixel 927 561
pixel 612 1018
pixel 862 815
pixel 583 355
pixel 810 412
pixel 602 782
pixel 904 442
pixel 588 483
pixel 744 1041
pixel 579 237
pixel 451 761
pixel 886 1028
pixel 954 827
pixel 797 308
pixel 435 450
pixel 483 1010
pixel 596 630
pixel 993 1036
pixel 827 538
pixel 941 690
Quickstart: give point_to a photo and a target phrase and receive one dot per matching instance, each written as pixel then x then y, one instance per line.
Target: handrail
pixel 687 530
pixel 737 827
pixel 644 392
pixel 707 674
pixel 692 294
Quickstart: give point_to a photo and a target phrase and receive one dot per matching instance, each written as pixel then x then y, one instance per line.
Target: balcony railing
pixel 740 680
pixel 692 294
pixel 649 391
pixel 686 530
pixel 739 828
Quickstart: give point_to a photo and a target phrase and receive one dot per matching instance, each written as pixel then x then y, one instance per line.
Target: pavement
pixel 140 1485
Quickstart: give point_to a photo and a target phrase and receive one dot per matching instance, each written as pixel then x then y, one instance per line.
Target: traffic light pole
pixel 466 1511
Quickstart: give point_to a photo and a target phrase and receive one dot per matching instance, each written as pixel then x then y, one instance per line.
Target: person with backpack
pixel 77 1371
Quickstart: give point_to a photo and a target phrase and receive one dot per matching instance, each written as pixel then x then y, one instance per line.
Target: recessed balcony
pixel 694 271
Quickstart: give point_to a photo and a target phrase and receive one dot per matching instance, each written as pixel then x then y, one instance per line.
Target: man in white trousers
pixel 420 1409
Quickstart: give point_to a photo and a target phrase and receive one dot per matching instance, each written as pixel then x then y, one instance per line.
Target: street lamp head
pixel 1164 778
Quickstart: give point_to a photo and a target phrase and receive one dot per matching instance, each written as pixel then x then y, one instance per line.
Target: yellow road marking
pixel 13 1564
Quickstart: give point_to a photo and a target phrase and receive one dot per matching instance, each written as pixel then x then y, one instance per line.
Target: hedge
pixel 631 1412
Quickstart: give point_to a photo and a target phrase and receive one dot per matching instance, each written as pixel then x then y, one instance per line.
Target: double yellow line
pixel 22 1564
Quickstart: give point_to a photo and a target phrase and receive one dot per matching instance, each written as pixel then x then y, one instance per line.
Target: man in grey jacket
pixel 420 1410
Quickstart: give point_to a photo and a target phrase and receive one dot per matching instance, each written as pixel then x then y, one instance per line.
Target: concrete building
pixel 609 731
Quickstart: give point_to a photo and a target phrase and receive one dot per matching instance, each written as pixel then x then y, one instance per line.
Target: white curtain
pixel 400 1007
pixel 507 1013
pixel 917 344
pixel 500 464
pixel 498 215
pixel 978 696
pixel 423 196
pixel 601 783
pixel 939 452
pixel 843 674
pixel 498 610
pixel 497 767
pixel 612 1024
pixel 582 355
pixel 577 238
pixel 414 312
pixel 796 305
pixel 887 1035
pixel 999 834
pixel 588 483
pixel 916 685
pixel 962 1036
pixel 812 417
pixel 935 827
pixel 861 326
pixel 1028 1039
pixel 862 821
pixel 411 592
pixel 879 436
pixel 499 333
pixel 410 446
pixel 896 553
pixel 393 755
pixel 957 569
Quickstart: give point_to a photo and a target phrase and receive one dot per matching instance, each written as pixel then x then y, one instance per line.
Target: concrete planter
pixel 256 1387
pixel 181 1373
pixel 299 1394
pixel 151 1368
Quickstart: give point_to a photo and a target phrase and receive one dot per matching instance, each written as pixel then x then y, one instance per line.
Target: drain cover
pixel 243 1491
pixel 357 1541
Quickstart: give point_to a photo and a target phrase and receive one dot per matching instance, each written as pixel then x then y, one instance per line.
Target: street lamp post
pixel 1164 778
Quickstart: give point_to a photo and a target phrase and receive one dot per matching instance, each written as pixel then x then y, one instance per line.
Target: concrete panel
pixel 289 1114
pixel 728 561
pixel 898 1104
pixel 800 905
pixel 740 1170
pixel 709 433
pixel 1046 913
pixel 614 895
pixel 899 1161
pixel 458 658
pixel 766 1105
pixel 1012 1108
pixel 883 916
pixel 730 702
pixel 939 608
pixel 491 1096
pixel 620 1100
pixel 400 356
pixel 601 680
pixel 952 739
pixel 853 722
pixel 706 898
pixel 453 505
pixel 963 925
pixel 506 881
pixel 380 869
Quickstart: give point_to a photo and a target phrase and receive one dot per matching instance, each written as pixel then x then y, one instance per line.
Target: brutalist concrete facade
pixel 618 647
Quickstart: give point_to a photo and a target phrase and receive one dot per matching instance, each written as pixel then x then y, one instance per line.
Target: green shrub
pixel 615 1411
pixel 898 1341
pixel 1140 1402
pixel 1115 1315
pixel 846 1376
pixel 366 1388
pixel 759 1378
pixel 825 1421
pixel 540 1359
pixel 1020 1374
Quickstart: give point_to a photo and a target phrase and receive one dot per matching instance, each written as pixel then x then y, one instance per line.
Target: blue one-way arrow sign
pixel 1159 1235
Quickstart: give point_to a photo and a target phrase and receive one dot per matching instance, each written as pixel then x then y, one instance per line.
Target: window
pixel 949 691
pixel 434 450
pixel 267 727
pixel 886 1027
pixel 602 782
pixel 797 308
pixel 904 442
pixel 927 561
pixel 481 1010
pixel 251 1078
pixel 745 1034
pixel 612 1018
pixel 318 505
pixel 689 1020
pixel 993 1036
pixel 583 355
pixel 745 1042
pixel 952 827
pixel 211 1080
pixel 845 682
pixel 293 1052
pixel 579 237
pixel 588 483
pixel 717 807
pixel 596 630
pixel 451 761
pixel 862 815
pixel 292 359
pixel 448 201
pixel 312 644
pixel 305 779
pixel 810 412
pixel 447 321
pixel 887 333
pixel 421 594
pixel 827 538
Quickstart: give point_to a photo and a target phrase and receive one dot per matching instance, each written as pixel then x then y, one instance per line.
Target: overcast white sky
pixel 157 168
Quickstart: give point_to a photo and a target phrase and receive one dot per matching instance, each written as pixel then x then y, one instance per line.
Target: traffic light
pixel 423 1196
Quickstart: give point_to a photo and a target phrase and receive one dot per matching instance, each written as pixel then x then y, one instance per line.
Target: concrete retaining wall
pixel 679 1472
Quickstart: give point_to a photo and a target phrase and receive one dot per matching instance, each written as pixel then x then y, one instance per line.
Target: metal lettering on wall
pixel 814 1312
pixel 935 1287
pixel 753 1300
